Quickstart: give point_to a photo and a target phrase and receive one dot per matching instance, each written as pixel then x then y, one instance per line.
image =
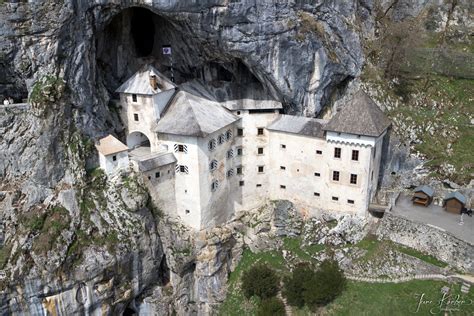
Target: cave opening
pixel 135 36
pixel 143 31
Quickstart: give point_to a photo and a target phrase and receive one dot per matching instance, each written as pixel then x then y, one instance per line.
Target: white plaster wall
pixel 162 189
pixel 109 165
pixel 147 116
pixel 217 206
pixel 250 196
pixel 301 163
pixel 187 186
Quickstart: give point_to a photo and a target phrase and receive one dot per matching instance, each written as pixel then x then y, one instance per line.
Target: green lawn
pixel 398 299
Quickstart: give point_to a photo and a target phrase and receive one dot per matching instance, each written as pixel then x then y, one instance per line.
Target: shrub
pixel 294 285
pixel 325 285
pixel 260 280
pixel 271 307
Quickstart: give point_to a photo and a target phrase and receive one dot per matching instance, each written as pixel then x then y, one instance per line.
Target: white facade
pixel 113 162
pixel 227 160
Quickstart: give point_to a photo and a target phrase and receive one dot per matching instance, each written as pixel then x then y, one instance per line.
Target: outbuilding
pixel 423 195
pixel 454 202
pixel 113 154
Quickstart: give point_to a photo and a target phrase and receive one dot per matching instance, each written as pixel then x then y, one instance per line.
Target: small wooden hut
pixel 423 195
pixel 454 202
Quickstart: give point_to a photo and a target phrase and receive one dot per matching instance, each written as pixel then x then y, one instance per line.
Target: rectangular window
pixel 283 187
pixel 316 194
pixel 319 152
pixel 353 178
pixel 337 152
pixel 135 117
pixel 282 146
pixel 355 155
pixel 157 174
pixel 180 148
pixel 259 185
pixel 239 170
pixel 335 175
pixel 335 198
pixel 114 158
pixel 317 174
pixel 241 183
pixel 240 151
pixel 260 131
pixel 282 168
pixel 350 201
pixel 134 98
pixel 240 132
pixel 260 169
pixel 182 169
pixel 260 150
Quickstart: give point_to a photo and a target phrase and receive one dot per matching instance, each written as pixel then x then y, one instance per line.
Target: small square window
pixel 335 175
pixel 114 158
pixel 282 168
pixel 355 155
pixel 239 170
pixel 240 132
pixel 335 198
pixel 260 131
pixel 260 150
pixel 261 169
pixel 135 117
pixel 238 112
pixel 353 179
pixel 187 211
pixel 317 174
pixel 259 185
pixel 134 98
pixel 319 152
pixel 350 201
pixel 157 174
pixel 149 178
pixel 282 186
pixel 241 183
pixel 180 148
pixel 337 152
pixel 282 146
pixel 240 151
pixel 316 194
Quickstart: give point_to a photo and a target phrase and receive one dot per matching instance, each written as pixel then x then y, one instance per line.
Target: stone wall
pixel 435 242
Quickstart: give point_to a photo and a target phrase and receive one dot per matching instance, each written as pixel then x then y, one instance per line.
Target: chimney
pixel 153 81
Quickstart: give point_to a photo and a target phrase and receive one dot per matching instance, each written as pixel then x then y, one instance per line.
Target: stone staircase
pixel 288 309
pixel 465 287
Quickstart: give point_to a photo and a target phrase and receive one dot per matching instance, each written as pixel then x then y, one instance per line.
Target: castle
pixel 203 160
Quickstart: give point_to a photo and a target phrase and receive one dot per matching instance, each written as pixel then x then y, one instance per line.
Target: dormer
pixel 147 88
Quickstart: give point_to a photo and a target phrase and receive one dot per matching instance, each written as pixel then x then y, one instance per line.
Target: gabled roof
pixel 191 115
pixel 110 145
pixel 298 125
pixel 156 162
pixel 361 116
pixel 425 189
pixel 456 195
pixel 139 83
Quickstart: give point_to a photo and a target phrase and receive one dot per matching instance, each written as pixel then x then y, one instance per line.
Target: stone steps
pixel 465 287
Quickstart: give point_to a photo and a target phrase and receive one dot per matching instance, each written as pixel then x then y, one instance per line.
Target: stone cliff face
pixel 69 245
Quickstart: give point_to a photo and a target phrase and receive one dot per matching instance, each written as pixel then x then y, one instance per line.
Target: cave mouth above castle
pixel 136 37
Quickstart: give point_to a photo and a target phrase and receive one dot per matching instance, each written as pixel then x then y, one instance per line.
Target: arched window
pixel 221 139
pixel 228 135
pixel 214 185
pixel 212 144
pixel 213 165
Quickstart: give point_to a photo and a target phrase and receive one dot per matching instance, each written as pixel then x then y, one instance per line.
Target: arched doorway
pixel 138 139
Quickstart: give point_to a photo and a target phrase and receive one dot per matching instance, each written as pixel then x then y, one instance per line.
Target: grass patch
pixel 396 299
pixel 422 256
pixel 293 244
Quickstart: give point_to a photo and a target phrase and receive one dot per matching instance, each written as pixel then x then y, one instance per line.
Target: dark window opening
pixel 283 146
pixel 282 186
pixel 316 194
pixel 157 174
pixel 114 158
pixel 135 117
pixel 143 31
pixel 134 98
pixel 260 169
pixel 240 132
pixel 350 201
pixel 335 175
pixel 353 179
pixel 337 152
pixel 259 131
pixel 260 150
pixel 335 198
pixel 355 155
pixel 259 185
pixel 241 183
pixel 282 167
pixel 319 152
pixel 317 174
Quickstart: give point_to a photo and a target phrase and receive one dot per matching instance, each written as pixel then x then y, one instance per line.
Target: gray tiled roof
pixel 361 116
pixel 456 195
pixel 425 189
pixel 192 115
pixel 139 83
pixel 298 125
pixel 156 162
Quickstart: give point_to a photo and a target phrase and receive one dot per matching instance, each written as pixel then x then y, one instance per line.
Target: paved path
pixel 436 216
